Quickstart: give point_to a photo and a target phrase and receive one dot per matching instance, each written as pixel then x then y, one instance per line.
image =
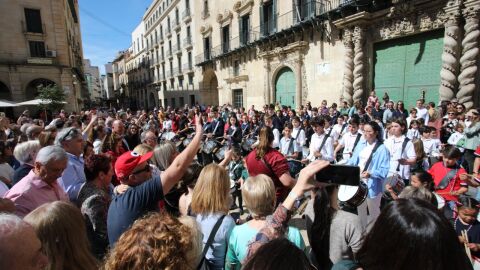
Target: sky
pixel 106 27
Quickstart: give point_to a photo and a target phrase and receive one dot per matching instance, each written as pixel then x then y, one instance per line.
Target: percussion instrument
pixel 247 144
pixel 232 186
pixel 167 136
pixel 187 141
pixel 305 152
pixel 440 200
pixel 397 184
pixel 294 167
pixel 208 146
pixel 179 142
pixel 353 196
pixel 220 152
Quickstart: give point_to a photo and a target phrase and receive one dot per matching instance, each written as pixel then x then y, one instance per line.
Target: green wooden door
pixel 285 87
pixel 404 67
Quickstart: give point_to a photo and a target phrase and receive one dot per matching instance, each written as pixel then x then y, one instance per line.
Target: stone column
pixel 468 61
pixel 298 84
pixel 450 55
pixel 348 67
pixel 359 63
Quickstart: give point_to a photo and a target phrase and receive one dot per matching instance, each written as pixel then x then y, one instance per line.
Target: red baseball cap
pixel 127 162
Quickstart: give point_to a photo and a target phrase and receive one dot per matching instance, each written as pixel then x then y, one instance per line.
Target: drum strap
pixel 325 140
pixel 404 144
pixel 343 128
pixel 356 141
pixel 216 126
pixel 369 160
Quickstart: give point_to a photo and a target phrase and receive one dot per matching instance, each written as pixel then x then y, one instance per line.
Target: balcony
pixel 187 43
pixel 188 68
pixel 176 25
pixel 186 17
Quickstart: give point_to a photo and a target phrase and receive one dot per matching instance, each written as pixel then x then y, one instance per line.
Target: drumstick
pixel 465 243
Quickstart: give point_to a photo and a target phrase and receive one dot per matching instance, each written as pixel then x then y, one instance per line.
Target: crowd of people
pixel 215 187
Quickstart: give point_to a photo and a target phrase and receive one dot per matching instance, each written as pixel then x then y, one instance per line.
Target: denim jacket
pixel 378 168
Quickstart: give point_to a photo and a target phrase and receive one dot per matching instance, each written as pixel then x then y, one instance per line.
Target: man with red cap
pixel 144 192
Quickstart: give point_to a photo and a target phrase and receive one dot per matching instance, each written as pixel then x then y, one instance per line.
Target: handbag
pixel 204 265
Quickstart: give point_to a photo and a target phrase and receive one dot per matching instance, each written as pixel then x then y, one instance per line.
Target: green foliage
pixel 53 98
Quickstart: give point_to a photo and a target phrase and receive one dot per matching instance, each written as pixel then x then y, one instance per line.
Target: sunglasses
pixel 146 169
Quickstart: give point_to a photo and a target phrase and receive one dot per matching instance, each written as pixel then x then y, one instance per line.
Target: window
pixel 268 18
pixel 190 79
pixel 190 64
pixel 244 29
pixel 205 11
pixel 226 39
pixel 37 48
pixel 173 103
pixel 237 98
pixel 206 48
pixel 236 68
pixel 187 4
pixel 182 101
pixel 34 20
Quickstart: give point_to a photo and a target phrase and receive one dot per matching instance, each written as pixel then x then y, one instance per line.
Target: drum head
pixel 232 183
pixel 345 192
pixel 440 201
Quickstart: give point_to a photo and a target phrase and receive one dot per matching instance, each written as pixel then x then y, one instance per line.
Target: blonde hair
pixel 195 253
pixel 61 229
pixel 158 241
pixel 211 194
pixel 258 193
pixel 142 149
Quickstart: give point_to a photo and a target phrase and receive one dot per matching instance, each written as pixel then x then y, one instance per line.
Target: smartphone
pixel 339 174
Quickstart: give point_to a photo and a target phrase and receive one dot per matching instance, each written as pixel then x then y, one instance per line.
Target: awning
pixel 6 103
pixel 36 102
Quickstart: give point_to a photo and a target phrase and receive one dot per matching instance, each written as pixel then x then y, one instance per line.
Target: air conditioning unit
pixel 51 53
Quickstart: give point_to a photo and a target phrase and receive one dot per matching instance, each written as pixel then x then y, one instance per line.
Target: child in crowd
pixel 235 170
pixel 413 132
pixel 372 99
pixel 456 139
pixel 467 221
pixel 421 160
pixel 287 146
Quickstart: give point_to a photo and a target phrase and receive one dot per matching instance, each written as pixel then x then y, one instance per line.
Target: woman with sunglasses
pixel 448 126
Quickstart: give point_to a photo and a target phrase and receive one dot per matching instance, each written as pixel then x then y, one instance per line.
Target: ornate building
pixel 41 44
pixel 257 52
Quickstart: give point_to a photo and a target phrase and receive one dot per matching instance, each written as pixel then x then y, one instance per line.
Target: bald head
pixel 20 248
pixel 118 127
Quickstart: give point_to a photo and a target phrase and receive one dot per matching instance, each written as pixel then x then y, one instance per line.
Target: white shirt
pixel 337 131
pixel 6 171
pixel 326 151
pixel 276 138
pixel 430 146
pixel 413 134
pixel 285 148
pixel 299 135
pixel 423 113
pixel 394 145
pixel 454 138
pixel 167 124
pixel 348 142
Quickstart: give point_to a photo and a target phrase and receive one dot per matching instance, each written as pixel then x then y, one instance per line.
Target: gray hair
pixel 67 134
pixel 11 227
pixel 419 193
pixel 143 136
pixel 162 154
pixel 51 153
pixel 27 151
pixel 33 129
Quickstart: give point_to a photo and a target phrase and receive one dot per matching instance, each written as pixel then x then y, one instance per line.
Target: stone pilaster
pixel 470 51
pixel 348 67
pixel 298 77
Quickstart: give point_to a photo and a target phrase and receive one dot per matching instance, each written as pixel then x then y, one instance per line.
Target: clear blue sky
pixel 107 26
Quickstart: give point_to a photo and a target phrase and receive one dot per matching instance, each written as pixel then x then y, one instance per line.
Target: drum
pixel 167 136
pixel 353 196
pixel 220 153
pixel 208 146
pixel 294 167
pixel 397 185
pixel 440 200
pixel 179 142
pixel 247 144
pixel 187 141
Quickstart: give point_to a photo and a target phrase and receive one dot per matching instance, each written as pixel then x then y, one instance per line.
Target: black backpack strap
pixel 325 140
pixel 404 144
pixel 210 239
pixel 369 160
pixel 356 141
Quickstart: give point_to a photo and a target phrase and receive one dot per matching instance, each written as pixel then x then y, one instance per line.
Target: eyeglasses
pixel 146 169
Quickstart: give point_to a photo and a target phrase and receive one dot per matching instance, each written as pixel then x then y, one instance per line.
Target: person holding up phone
pixel 373 158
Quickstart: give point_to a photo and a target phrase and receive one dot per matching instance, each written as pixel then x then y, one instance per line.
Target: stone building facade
pixel 92 78
pixel 258 52
pixel 41 44
pixel 120 80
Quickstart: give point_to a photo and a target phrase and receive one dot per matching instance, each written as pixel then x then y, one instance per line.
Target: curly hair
pixel 96 164
pixel 158 241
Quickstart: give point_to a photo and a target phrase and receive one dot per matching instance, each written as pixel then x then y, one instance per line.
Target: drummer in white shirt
pixel 339 129
pixel 400 159
pixel 348 141
pixel 317 151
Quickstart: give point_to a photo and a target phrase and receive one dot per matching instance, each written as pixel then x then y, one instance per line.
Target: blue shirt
pixel 378 167
pixel 133 204
pixel 73 176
